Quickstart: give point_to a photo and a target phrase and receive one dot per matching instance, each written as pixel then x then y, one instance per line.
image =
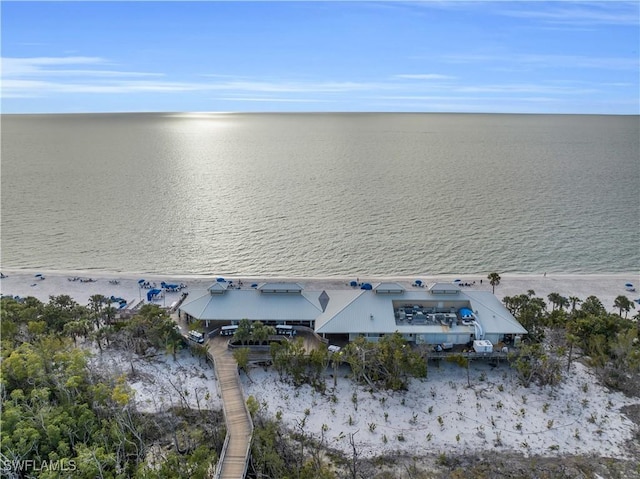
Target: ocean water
pixel 320 194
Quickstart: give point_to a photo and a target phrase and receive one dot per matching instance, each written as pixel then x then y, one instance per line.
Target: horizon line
pixel 337 112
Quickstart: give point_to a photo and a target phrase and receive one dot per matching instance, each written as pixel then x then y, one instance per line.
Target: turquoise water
pixel 321 194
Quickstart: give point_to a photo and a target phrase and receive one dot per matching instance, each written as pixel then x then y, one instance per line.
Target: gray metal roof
pixel 389 288
pixel 220 287
pixel 367 312
pixel 248 303
pixel 492 315
pixel 444 288
pixel 280 288
pixel 348 310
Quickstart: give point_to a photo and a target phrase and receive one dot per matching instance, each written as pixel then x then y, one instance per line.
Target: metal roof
pixel 492 315
pixel 235 305
pixel 218 288
pixel 344 311
pixel 280 288
pixel 389 288
pixel 367 312
pixel 444 288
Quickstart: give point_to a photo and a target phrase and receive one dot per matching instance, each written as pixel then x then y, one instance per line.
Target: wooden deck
pixel 234 458
pixel 470 355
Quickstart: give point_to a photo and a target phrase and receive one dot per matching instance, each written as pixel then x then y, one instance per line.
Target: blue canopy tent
pixel 353 284
pixel 152 293
pixel 366 286
pixel 121 301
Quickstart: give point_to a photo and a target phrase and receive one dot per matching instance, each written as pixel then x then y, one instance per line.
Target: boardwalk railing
pixel 218 470
pixel 312 332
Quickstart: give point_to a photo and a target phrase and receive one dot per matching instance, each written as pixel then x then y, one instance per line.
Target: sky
pixel 379 56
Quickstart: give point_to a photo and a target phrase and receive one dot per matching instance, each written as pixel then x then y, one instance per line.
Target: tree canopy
pixel 57 407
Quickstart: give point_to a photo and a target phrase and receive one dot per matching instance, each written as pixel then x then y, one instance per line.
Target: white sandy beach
pixel 24 283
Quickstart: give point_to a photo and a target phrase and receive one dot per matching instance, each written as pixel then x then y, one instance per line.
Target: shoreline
pixel 273 276
pixel 605 286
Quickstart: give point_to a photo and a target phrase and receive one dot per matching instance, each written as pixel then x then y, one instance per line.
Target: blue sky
pixel 434 56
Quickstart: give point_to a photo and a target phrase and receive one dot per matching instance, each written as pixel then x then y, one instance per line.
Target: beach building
pixel 444 313
pixel 271 303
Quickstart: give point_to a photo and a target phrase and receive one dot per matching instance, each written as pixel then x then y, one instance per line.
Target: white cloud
pixel 47 76
pixel 506 88
pixel 31 66
pixel 24 77
pixel 579 14
pixel 423 76
pixel 547 61
pixel 286 100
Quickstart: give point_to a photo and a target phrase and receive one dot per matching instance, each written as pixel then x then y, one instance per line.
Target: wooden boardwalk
pixel 234 458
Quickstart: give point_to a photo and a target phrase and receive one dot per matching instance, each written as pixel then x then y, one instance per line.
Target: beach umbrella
pixel 220 280
pixel 456 280
pixel 418 281
pixel 366 287
pixel 353 283
pixel 627 284
pixel 140 281
pixel 39 275
pixel 254 285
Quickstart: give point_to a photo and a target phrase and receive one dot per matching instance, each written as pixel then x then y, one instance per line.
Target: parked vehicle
pixel 196 336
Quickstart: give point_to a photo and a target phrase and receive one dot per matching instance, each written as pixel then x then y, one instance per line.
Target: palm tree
pixel 494 280
pixel 574 300
pixel 624 304
pixel 563 303
pixel 79 327
pixel 558 301
pixel 261 332
pixel 244 332
pixel 554 299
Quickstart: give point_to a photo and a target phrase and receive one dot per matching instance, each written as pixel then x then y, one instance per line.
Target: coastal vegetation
pixel 607 342
pixel 494 280
pixel 386 364
pixel 58 406
pixel 63 412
